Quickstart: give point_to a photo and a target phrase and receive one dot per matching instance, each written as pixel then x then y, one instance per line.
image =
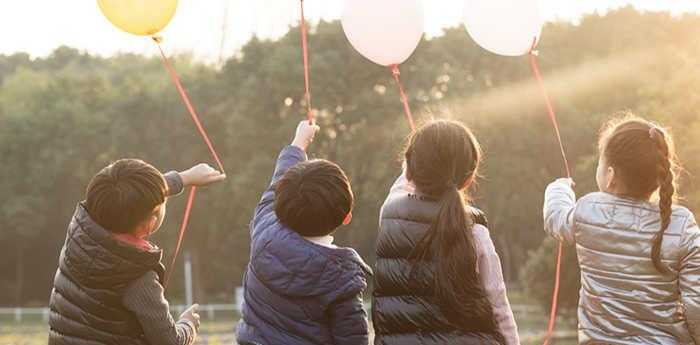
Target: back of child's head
pixel 643 157
pixel 313 198
pixel 124 194
pixel 442 155
pixel 442 159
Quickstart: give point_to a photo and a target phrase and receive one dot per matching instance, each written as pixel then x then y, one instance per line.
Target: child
pixel 438 277
pixel 640 260
pixel 301 289
pixel 108 287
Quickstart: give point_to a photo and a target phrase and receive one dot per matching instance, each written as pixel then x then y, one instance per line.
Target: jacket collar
pixel 108 241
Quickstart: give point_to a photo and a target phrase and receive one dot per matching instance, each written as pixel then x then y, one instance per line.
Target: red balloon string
pixel 305 49
pixel 181 236
pixel 555 296
pixel 406 107
pixel 188 104
pixel 203 132
pixel 550 108
pixel 555 123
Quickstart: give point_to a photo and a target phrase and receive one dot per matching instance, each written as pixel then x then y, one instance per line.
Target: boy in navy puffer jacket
pixel 300 289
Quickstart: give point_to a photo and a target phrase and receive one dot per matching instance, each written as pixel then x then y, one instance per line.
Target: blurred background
pixel 76 94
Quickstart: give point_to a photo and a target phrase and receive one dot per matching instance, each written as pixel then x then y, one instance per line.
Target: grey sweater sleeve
pixel 174 182
pixel 145 298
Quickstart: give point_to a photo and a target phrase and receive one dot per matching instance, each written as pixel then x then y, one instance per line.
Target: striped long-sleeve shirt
pixel 145 298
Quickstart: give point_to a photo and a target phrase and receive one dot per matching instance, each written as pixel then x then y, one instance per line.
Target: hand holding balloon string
pixel 305 134
pixel 201 175
pixel 147 18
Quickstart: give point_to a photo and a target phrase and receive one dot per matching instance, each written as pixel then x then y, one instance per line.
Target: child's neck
pixel 625 195
pixel 326 241
pixel 134 241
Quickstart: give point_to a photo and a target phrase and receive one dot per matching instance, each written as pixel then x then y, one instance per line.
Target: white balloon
pixel 386 32
pixel 505 27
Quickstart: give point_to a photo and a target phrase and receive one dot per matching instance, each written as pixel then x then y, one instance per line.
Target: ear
pixel 348 219
pixel 610 176
pixel 468 183
pixel 147 226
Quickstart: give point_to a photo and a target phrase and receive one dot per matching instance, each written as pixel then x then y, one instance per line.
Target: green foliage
pixel 64 117
pixel 538 279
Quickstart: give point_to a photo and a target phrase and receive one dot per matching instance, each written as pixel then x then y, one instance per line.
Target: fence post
pixel 18 315
pixel 210 312
pixel 188 279
pixel 45 314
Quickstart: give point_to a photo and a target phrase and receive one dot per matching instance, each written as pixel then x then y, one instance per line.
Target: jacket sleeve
pixel 491 275
pixel 689 276
pixel 349 322
pixel 145 298
pixel 559 206
pixel 289 157
pixel 174 182
pixel 401 185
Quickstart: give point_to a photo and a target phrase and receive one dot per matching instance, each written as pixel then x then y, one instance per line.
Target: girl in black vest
pixel 438 278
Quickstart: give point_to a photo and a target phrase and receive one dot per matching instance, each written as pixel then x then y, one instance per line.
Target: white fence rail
pixel 207 311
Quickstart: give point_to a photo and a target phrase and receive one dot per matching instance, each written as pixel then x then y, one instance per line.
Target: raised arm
pixel 199 175
pixel 559 205
pixel 174 182
pixel 689 276
pixel 289 157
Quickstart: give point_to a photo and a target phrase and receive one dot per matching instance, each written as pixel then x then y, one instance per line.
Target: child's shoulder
pixel 606 208
pixel 683 218
pixel 596 197
pixel 293 266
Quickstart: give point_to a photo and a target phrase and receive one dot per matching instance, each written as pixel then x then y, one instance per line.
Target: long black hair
pixel 442 159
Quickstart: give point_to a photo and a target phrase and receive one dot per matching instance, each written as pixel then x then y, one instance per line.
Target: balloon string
pixel 188 104
pixel 406 107
pixel 305 49
pixel 555 123
pixel 202 131
pixel 550 107
pixel 181 236
pixel 555 296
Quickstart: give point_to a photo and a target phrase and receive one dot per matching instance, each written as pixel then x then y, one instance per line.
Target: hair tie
pixel 655 133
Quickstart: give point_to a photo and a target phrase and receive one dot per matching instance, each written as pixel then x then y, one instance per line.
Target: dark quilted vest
pixel 403 311
pixel 94 271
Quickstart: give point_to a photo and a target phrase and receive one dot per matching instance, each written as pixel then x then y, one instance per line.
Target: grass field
pixel 531 324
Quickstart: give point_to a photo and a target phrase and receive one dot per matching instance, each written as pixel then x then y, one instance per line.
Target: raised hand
pixel 305 134
pixel 201 175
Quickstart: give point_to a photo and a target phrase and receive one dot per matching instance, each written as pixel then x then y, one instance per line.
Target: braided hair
pixel 643 156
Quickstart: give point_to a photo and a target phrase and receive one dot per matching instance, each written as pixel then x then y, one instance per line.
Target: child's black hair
pixel 313 198
pixel 124 194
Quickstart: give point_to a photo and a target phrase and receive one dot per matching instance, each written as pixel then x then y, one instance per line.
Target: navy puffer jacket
pixel 298 292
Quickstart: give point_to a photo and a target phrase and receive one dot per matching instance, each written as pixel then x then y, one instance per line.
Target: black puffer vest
pixel 403 311
pixel 94 270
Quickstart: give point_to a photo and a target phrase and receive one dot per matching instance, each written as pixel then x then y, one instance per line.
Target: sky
pixel 37 27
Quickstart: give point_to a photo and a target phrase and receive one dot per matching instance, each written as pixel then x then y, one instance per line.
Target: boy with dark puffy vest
pixel 301 289
pixel 109 285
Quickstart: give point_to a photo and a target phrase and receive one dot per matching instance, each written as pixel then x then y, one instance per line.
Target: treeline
pixel 64 117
